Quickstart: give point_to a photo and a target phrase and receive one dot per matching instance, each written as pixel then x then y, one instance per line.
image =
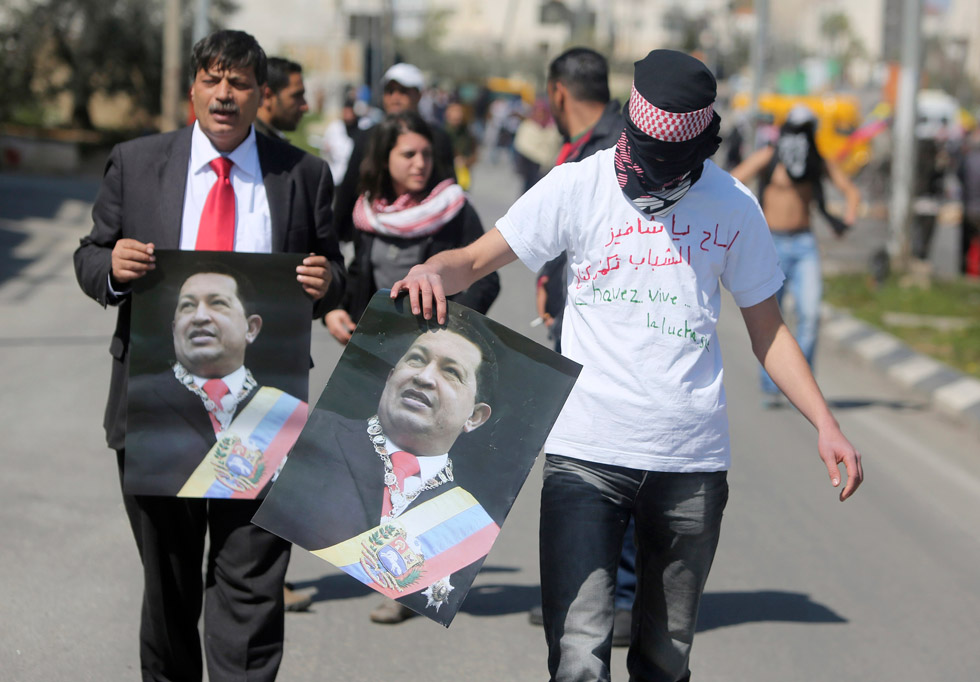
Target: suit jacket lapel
pixel 277 187
pixel 172 183
pixel 188 406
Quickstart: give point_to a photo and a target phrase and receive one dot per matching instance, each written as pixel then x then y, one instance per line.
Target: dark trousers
pixel 241 589
pixel 585 509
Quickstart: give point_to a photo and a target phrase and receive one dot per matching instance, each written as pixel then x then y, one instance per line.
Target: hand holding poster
pixel 416 450
pixel 218 376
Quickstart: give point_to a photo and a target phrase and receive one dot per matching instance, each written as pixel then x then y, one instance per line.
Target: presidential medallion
pixel 437 593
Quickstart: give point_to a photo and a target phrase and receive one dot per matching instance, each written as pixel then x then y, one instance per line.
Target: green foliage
pixel 83 47
pixel 960 299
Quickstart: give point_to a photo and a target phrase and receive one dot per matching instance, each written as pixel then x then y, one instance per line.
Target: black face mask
pixel 655 175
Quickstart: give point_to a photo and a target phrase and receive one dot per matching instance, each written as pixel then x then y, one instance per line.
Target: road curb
pixel 950 391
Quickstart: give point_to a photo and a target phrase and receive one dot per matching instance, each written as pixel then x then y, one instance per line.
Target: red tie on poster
pixel 216 390
pixel 404 464
pixel 216 231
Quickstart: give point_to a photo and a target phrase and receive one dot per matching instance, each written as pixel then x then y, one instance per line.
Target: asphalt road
pixel 883 587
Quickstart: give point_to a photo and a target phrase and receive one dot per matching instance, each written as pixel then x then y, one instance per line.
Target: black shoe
pixel 622 624
pixel 536 615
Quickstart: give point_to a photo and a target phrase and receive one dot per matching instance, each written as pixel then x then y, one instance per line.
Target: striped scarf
pixel 406 216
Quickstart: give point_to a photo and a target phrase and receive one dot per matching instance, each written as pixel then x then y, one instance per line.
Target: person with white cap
pixel 652 229
pixel 791 173
pixel 402 86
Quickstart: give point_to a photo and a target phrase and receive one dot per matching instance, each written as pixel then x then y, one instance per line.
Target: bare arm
pixel 777 350
pixel 753 164
pixel 449 272
pixel 852 195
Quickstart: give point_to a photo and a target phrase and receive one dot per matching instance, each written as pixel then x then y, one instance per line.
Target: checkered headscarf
pixel 670 128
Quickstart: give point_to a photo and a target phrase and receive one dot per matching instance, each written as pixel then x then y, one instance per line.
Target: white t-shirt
pixel 643 302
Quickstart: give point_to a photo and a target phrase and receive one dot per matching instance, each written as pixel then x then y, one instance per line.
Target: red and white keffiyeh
pixel 407 216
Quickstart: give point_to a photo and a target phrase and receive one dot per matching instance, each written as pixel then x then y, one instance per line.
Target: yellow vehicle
pixel 512 86
pixel 838 116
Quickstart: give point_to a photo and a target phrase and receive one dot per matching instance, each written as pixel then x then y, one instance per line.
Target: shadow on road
pixel 334 587
pixel 723 609
pixel 500 600
pixel 27 196
pixel 11 265
pixel 853 403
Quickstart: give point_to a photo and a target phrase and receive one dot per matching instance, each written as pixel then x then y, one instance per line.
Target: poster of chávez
pixel 218 374
pixel 416 450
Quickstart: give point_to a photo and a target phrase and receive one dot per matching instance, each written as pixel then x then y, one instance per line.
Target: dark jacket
pixel 459 231
pixel 605 133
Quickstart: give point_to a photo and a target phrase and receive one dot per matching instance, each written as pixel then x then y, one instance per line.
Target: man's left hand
pixel 834 450
pixel 314 275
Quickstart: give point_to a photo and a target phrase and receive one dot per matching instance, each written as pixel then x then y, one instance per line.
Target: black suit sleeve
pixel 93 258
pixel 324 242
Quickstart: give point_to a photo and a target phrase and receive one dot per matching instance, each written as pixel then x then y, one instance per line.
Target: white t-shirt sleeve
pixel 536 226
pixel 752 272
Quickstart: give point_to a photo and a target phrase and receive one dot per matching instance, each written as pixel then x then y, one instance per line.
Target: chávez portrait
pixel 416 450
pixel 212 413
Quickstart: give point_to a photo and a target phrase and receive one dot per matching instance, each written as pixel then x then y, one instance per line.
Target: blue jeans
pixel 585 509
pixel 800 260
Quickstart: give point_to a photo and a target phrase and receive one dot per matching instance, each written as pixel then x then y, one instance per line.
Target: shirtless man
pixel 790 174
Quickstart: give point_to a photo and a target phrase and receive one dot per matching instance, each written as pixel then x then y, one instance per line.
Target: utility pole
pixel 170 95
pixel 202 20
pixel 760 49
pixel 903 138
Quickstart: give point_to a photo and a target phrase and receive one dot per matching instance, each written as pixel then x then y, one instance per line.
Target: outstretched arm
pixel 449 272
pixel 753 164
pixel 777 350
pixel 852 196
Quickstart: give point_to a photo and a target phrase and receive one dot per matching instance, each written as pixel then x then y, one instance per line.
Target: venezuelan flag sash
pixel 249 452
pixel 423 545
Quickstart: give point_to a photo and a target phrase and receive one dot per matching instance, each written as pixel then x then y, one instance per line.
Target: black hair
pixel 375 179
pixel 279 71
pixel 584 72
pixel 244 288
pixel 225 50
pixel 486 373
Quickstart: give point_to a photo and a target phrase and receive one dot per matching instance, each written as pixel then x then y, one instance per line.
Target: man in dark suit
pixel 204 427
pixel 213 186
pixel 350 479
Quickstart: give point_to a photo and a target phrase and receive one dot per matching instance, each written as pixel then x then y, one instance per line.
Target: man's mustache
pixel 229 108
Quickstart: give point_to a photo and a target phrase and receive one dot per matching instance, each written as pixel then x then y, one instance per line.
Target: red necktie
pixel 216 231
pixel 216 390
pixel 404 464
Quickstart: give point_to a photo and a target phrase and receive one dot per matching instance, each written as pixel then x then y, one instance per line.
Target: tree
pixel 83 47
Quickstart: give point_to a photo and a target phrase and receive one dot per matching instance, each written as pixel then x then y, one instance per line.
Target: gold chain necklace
pixel 400 500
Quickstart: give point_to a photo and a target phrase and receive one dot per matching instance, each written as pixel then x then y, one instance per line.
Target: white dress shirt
pixel 229 403
pixel 253 224
pixel 428 468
